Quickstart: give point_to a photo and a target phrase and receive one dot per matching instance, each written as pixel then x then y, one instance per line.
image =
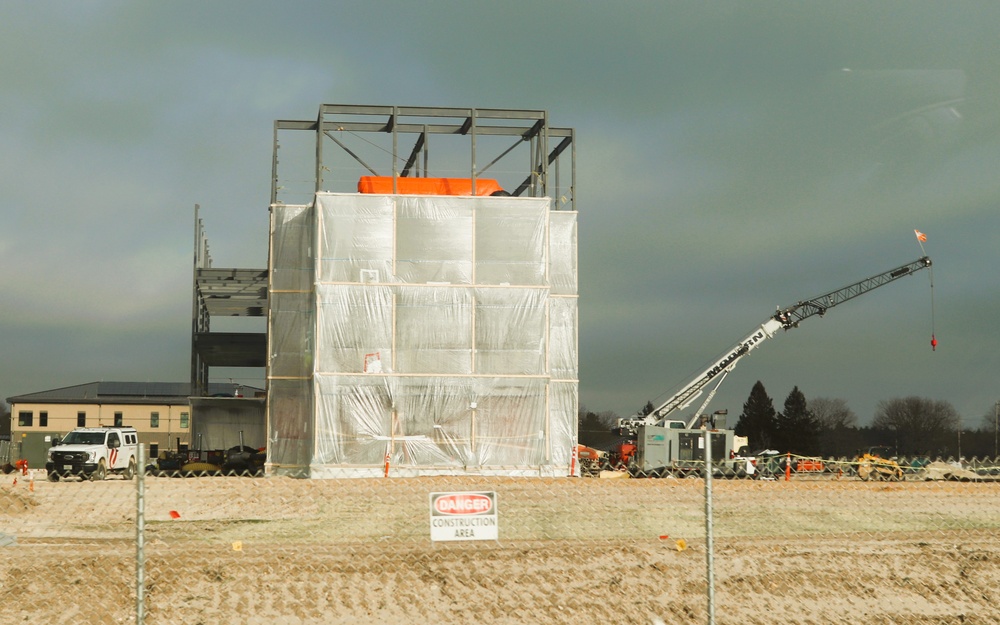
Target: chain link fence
pixel 797 541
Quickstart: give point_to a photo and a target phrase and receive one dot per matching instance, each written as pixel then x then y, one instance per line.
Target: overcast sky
pixel 731 157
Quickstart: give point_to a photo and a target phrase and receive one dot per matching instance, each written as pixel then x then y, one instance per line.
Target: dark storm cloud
pixel 732 157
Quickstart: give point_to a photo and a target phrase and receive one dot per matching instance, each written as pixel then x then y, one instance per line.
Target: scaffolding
pixel 424 334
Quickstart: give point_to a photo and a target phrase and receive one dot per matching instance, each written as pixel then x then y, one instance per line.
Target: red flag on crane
pixel 920 236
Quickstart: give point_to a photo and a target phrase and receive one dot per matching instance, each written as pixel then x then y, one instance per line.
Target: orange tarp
pixel 427 186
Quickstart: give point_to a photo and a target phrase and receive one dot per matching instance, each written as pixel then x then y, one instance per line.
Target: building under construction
pixel 421 306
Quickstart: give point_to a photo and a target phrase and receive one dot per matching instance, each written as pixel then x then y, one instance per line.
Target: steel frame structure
pixel 414 125
pixel 223 292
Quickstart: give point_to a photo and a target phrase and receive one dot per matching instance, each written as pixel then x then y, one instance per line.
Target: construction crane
pixel 783 319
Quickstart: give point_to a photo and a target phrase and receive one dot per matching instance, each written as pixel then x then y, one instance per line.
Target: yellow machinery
pixel 876 464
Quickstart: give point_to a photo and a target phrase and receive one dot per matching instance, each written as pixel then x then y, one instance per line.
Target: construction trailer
pixel 424 333
pixel 681 452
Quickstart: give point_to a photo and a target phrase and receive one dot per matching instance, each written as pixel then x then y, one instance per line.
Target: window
pixel 154 450
pixel 24 418
pixel 84 438
pixel 43 419
pixel 154 419
pixel 118 419
pixel 184 419
pixel 81 419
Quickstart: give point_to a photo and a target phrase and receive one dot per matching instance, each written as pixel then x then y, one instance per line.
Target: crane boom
pixel 784 318
pixel 819 305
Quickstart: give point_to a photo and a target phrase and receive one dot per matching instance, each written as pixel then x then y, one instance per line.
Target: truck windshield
pixel 84 438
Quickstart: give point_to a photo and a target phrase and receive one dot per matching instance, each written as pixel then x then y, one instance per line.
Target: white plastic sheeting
pixel 422 335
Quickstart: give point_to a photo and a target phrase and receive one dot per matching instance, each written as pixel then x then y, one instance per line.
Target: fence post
pixel 140 534
pixel 709 547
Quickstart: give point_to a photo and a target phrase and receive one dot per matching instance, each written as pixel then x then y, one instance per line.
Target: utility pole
pixel 709 531
pixel 996 420
pixel 960 442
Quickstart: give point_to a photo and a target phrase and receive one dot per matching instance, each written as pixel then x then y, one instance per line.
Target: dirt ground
pixel 276 550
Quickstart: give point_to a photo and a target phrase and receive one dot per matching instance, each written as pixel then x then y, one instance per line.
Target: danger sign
pixel 464 516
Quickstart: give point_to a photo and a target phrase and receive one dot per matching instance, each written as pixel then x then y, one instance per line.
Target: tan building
pixel 160 412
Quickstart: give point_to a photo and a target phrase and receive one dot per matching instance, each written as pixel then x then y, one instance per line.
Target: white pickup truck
pixel 94 453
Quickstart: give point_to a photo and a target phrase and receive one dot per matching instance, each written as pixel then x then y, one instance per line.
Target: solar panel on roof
pixel 145 389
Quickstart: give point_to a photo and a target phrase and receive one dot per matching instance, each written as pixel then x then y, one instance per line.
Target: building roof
pixel 128 393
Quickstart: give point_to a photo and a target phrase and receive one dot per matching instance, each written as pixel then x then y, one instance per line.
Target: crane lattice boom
pixel 784 318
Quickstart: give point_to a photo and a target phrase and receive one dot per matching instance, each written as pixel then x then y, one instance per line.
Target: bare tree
pixel 608 417
pixel 919 424
pixel 990 418
pixel 832 413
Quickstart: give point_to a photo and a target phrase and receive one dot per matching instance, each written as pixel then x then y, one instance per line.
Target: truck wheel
pixel 99 473
pixel 130 471
pixel 53 477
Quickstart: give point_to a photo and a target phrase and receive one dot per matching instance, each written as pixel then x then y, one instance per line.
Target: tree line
pixel 827 427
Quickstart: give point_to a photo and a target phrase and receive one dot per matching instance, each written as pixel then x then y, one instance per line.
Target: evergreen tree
pixel 757 422
pixel 797 430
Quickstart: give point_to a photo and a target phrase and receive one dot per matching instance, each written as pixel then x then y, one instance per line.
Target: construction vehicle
pixel 622 454
pixel 879 463
pixel 665 444
pixel 592 461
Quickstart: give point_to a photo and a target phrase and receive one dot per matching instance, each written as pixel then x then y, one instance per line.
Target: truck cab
pixel 93 453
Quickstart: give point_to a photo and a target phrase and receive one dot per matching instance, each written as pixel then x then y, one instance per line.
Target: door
pixel 116 460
